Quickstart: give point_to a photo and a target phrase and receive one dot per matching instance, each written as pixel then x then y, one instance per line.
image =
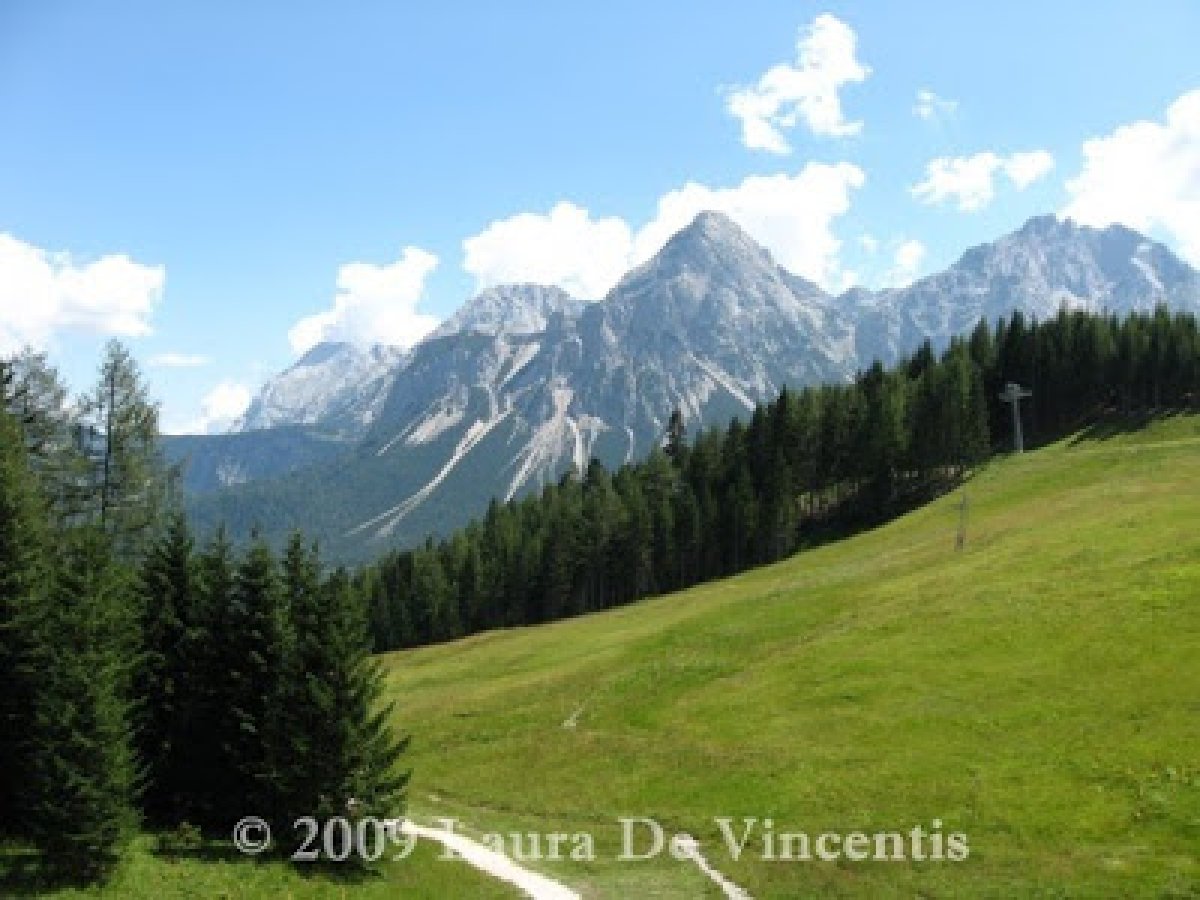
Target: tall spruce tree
pixel 360 751
pixel 305 702
pixel 675 445
pixel 258 650
pixel 340 747
pixel 167 677
pixel 22 585
pixel 81 765
pixel 215 795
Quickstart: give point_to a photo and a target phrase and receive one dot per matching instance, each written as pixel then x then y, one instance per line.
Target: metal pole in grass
pixel 960 540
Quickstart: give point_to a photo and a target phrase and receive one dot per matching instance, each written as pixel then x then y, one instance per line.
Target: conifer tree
pixel 214 798
pixel 970 407
pixel 35 396
pixel 601 517
pixel 82 775
pixel 676 442
pixel 342 747
pixel 305 702
pixel 22 585
pixel 471 589
pixel 167 676
pixel 131 482
pixel 431 596
pixel 257 642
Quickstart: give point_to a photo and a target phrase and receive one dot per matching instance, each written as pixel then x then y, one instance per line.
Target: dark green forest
pixel 813 464
pixel 148 681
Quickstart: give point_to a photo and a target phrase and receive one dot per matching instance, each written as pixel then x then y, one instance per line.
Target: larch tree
pixel 131 483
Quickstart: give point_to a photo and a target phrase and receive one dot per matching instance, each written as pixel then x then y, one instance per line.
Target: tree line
pixel 823 460
pixel 151 680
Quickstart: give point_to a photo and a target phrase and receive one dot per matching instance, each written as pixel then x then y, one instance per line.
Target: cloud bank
pixel 790 215
pixel 219 409
pixel 43 293
pixel 373 304
pixel 565 247
pixel 970 181
pixel 1145 175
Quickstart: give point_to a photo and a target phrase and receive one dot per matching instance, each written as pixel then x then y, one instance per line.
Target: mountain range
pixel 372 447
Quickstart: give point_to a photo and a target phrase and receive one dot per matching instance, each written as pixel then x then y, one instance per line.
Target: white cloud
pixel 805 92
pixel 219 409
pixel 1023 169
pixel 970 180
pixel 1145 175
pixel 374 304
pixel 903 267
pixel 903 263
pixel 790 215
pixel 565 247
pixel 906 264
pixel 43 292
pixel 179 361
pixel 909 255
pixel 931 108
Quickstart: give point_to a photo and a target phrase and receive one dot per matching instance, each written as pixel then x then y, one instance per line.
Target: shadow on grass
pixel 1112 425
pixel 25 873
pixel 857 515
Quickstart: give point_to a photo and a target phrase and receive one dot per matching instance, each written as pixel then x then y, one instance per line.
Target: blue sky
pixel 222 183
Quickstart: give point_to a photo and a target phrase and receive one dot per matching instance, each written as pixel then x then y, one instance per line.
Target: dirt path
pixel 690 847
pixel 536 886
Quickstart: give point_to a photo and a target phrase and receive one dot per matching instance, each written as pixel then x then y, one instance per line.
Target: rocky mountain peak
pixel 323 352
pixel 340 385
pixel 510 309
pixel 712 240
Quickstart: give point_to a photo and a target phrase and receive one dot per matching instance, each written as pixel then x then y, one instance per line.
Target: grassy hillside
pixel 1039 691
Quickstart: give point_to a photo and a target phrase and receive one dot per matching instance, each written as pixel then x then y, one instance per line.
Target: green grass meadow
pixel 1038 691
